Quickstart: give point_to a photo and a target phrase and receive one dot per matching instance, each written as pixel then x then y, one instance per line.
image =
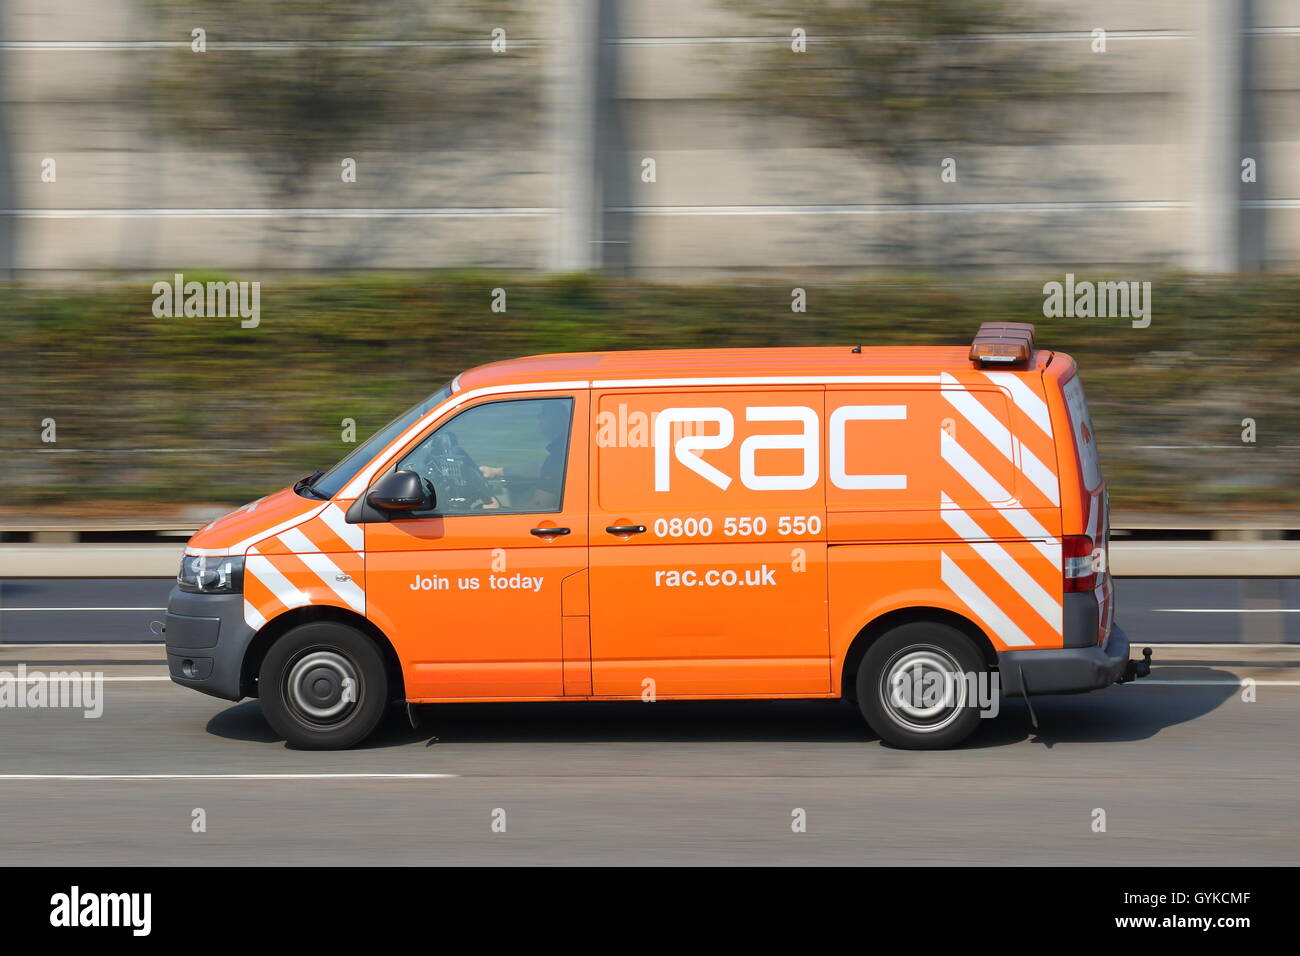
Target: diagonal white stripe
pixel 1040 475
pixel 978 602
pixel 336 521
pixel 297 542
pixel 262 569
pixel 975 413
pixel 998 558
pixel 1029 403
pixel 976 475
pixel 992 429
pixel 331 575
pixel 252 616
pixel 987 486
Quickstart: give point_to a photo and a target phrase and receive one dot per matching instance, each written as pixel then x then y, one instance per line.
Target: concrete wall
pixel 1118 184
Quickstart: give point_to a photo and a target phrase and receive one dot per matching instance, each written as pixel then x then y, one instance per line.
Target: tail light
pixel 1078 563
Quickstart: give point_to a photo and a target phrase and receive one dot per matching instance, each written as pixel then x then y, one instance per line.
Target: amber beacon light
pixel 1003 343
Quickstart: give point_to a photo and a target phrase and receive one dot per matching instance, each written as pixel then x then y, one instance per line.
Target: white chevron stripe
pixel 979 603
pixel 265 572
pixel 350 534
pixel 997 558
pixel 1039 474
pixel 976 475
pixel 1029 403
pixel 998 434
pixel 999 498
pixel 331 575
pixel 252 616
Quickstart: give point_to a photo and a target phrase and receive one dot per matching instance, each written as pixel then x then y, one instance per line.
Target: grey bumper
pixel 206 640
pixel 1066 670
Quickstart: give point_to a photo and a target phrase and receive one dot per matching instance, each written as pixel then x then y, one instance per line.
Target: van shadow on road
pixel 1115 715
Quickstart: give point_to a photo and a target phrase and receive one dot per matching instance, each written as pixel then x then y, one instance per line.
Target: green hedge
pixel 174 411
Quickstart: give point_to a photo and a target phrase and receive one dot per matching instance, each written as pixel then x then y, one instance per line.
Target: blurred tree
pixel 299 85
pixel 902 81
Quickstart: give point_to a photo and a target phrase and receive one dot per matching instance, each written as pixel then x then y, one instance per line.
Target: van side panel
pixel 723 590
pixel 963 513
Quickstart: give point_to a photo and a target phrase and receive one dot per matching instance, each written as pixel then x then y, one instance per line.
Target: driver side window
pixel 503 457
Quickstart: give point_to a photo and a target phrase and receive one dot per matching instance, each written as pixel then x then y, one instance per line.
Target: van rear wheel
pixel 323 686
pixel 917 686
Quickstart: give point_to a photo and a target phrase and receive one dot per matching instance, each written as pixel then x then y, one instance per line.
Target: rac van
pixel 917 530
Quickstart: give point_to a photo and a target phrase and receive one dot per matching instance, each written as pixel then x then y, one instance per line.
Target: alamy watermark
pixel 1101 300
pixel 931 691
pixel 208 300
pixel 37 690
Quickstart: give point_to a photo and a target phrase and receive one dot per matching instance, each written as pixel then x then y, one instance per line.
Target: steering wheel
pixel 450 468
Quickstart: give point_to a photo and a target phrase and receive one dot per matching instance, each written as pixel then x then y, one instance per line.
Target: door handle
pixel 626 529
pixel 547 532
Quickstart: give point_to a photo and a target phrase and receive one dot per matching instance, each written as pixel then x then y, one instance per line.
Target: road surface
pixel 1185 770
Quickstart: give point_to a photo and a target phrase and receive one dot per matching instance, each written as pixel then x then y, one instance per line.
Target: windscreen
pixel 330 483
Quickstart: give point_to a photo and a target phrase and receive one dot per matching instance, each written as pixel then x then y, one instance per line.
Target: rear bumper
pixel 1066 670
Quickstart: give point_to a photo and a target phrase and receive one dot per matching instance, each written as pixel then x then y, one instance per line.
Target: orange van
pixel 920 530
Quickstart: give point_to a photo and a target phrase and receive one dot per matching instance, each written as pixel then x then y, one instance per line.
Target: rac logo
pixel 686 448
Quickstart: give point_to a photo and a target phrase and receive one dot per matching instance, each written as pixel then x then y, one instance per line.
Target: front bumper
pixel 206 640
pixel 1066 670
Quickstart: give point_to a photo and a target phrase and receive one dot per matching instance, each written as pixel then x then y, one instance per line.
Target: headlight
pixel 211 575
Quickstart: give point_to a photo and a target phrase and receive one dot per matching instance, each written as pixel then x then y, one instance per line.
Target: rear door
pixel 1096 501
pixel 708 543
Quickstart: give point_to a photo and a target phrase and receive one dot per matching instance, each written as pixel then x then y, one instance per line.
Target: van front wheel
pixel 323 686
pixel 918 686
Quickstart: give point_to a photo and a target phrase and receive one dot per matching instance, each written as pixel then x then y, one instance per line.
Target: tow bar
pixel 1135 669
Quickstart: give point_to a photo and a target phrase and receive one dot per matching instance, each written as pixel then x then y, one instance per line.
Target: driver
pixel 553 422
pixel 457 470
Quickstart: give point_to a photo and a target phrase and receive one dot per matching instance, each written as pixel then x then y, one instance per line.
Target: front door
pixel 470 593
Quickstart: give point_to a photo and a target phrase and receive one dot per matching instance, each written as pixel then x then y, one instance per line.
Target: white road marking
pixel 1227 610
pixel 1219 683
pixel 37 678
pixel 1220 646
pixel 80 645
pixel 226 776
pixel 7 609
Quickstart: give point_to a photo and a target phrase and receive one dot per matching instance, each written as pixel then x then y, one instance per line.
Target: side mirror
pixel 400 491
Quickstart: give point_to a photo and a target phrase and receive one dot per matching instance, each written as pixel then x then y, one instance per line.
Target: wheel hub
pixel 323 686
pixel 923 689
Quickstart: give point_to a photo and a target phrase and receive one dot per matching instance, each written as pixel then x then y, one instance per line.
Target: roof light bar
pixel 1003 343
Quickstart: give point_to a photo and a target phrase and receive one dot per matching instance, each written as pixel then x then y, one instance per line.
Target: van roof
pixel 814 362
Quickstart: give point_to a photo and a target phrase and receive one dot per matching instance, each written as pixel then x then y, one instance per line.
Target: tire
pixel 302 686
pixel 912 659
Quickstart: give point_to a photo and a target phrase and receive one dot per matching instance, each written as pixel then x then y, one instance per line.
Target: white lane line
pixel 7 609
pixel 1218 683
pixel 82 645
pixel 1219 646
pixel 1227 610
pixel 7 678
pixel 226 776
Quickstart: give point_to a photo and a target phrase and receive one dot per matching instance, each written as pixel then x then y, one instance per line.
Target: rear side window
pixel 1084 439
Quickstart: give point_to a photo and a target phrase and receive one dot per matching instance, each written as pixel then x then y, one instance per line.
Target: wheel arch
pixel 876 628
pixel 277 627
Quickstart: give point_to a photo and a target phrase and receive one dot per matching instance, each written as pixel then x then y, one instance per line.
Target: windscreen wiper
pixel 305 484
